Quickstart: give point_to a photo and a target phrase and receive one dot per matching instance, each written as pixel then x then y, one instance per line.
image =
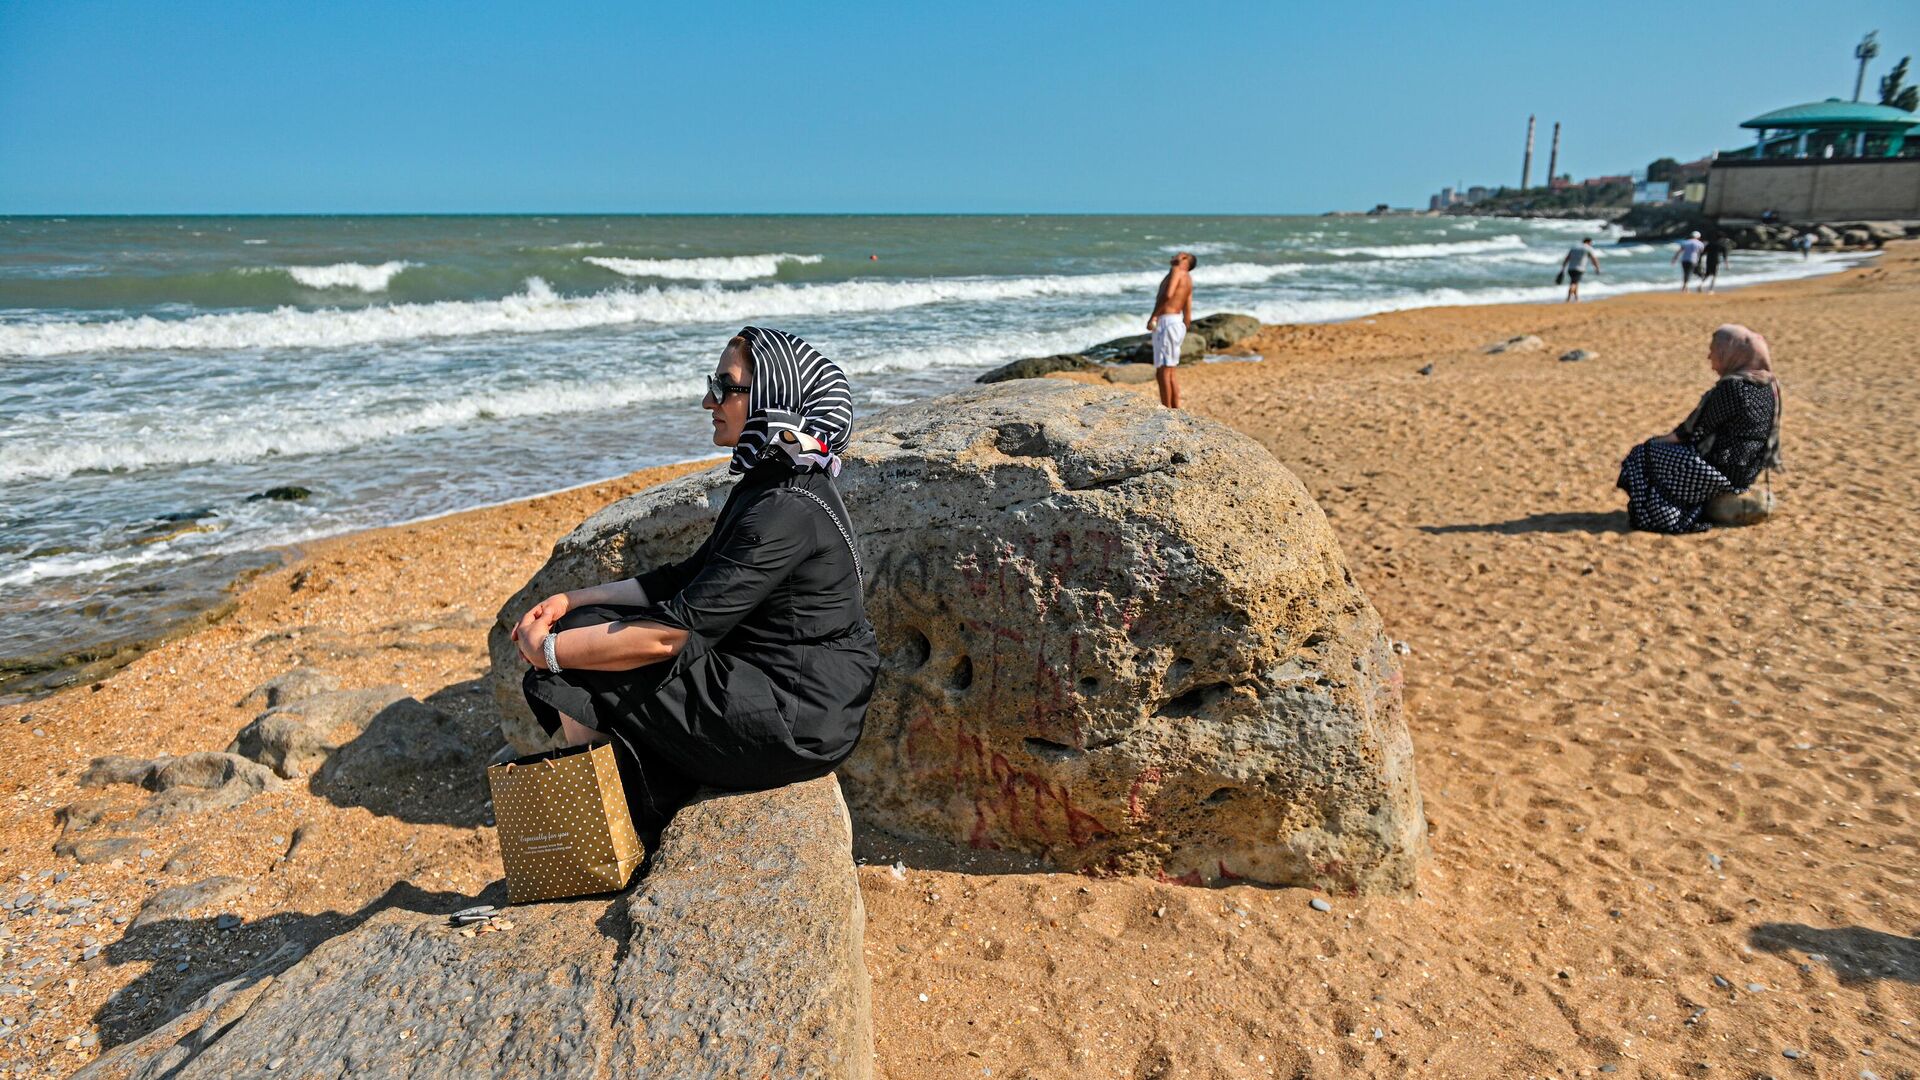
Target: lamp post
pixel 1865 51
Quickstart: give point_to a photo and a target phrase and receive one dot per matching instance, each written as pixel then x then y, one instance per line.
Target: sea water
pixel 157 375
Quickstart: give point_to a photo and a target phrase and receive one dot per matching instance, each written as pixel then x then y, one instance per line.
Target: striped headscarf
pixel 794 388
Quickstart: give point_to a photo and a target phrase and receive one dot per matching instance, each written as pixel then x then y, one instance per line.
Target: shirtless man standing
pixel 1172 314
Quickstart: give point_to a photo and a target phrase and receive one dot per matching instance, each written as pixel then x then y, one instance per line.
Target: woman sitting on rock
pixel 1721 449
pixel 748 665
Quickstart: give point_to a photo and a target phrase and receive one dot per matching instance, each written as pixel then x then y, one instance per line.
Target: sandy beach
pixel 1673 782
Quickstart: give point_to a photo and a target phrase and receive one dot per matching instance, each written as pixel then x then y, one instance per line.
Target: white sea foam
pixel 253 241
pixel 335 430
pixel 718 268
pixel 540 310
pixel 1431 251
pixel 359 276
pixel 1204 247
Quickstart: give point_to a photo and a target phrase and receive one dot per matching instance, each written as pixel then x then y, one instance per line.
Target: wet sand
pixel 1648 762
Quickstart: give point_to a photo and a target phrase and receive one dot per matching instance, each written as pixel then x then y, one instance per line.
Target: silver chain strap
pixel 858 573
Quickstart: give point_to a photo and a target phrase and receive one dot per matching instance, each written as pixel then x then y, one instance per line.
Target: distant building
pixel 1652 191
pixel 1447 197
pixel 1823 161
pixel 1559 183
pixel 1695 192
pixel 1604 181
pixel 1433 202
pixel 1477 193
pixel 1831 129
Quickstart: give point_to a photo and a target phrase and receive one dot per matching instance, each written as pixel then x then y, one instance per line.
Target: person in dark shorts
pixel 1718 250
pixel 1574 266
pixel 748 665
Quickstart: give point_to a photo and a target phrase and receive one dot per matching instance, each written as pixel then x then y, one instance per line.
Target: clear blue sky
pixel 188 106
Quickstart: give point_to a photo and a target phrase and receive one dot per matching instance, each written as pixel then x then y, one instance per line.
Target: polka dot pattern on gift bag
pixel 563 824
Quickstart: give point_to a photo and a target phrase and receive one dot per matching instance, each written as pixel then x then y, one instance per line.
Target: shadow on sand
pixel 244 953
pixel 1587 521
pixel 1856 954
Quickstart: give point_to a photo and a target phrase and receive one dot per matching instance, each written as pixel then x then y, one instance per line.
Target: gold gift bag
pixel 564 829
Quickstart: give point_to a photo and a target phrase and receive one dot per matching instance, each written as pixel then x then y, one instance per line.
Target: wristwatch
pixel 553 639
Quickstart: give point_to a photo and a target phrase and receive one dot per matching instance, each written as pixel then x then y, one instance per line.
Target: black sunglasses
pixel 718 388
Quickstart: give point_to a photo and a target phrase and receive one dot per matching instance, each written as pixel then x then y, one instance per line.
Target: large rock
pixel 1223 331
pixel 359 739
pixel 1115 635
pixel 739 955
pixel 1138 349
pixel 1035 367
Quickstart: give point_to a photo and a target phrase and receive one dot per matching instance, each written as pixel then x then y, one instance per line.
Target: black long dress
pixel 772 685
pixel 1732 436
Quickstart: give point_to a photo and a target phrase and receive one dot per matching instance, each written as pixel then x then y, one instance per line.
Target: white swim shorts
pixel 1167 338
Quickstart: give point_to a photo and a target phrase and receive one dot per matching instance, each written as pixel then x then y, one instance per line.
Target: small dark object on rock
pixel 1791 1053
pixel 1318 904
pixel 1518 343
pixel 1609 1068
pixel 226 922
pixel 289 493
pixel 1428 370
pixel 1721 983
pixel 1574 356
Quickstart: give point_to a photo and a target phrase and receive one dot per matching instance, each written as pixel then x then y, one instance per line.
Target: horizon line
pixel 9 214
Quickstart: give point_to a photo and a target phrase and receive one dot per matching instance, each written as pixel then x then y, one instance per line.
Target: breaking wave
pixel 718 268
pixel 1433 251
pixel 538 309
pixel 359 276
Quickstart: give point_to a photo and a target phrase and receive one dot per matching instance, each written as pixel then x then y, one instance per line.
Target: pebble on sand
pixel 1318 904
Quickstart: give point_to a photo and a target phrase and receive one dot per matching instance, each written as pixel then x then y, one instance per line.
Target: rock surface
pixel 1038 366
pixel 1223 331
pixel 1138 349
pixel 738 955
pixel 1114 635
pixel 351 741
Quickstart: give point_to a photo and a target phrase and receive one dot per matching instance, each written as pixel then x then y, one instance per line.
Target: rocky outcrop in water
pixel 1036 367
pixel 1115 636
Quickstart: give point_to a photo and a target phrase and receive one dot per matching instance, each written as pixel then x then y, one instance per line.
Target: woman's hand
pixel 537 622
pixel 533 644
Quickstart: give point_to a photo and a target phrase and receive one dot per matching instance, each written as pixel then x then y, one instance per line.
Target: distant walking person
pixel 1172 314
pixel 1575 267
pixel 1717 252
pixel 1805 243
pixel 1688 257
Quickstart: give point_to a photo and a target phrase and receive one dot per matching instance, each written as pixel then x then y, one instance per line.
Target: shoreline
pixel 1648 762
pixel 29 678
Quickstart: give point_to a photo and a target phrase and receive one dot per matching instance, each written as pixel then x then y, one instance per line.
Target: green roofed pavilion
pixel 1832 128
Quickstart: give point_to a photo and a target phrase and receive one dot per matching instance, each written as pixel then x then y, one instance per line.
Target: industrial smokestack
pixel 1553 157
pixel 1526 164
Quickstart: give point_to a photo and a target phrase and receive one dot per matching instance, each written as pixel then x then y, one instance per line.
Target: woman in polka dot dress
pixel 748 665
pixel 1732 436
